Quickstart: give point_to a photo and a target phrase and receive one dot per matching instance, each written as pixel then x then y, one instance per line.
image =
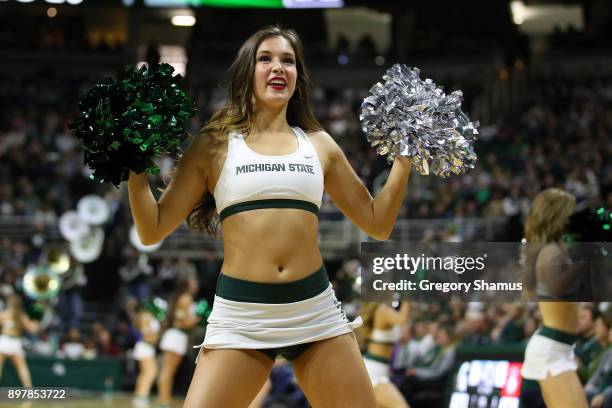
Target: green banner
pixel 104 373
pixel 239 3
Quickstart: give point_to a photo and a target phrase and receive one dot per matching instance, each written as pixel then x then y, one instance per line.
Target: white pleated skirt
pixel 245 325
pixel 544 356
pixel 10 346
pixel 143 350
pixel 174 340
pixel 377 370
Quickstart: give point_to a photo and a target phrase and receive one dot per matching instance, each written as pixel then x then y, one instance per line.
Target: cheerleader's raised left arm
pixel 376 216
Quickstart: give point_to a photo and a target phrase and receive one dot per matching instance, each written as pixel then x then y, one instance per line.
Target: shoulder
pixel 204 144
pixel 550 254
pixel 204 148
pixel 324 143
pixel 551 249
pixel 385 316
pixel 382 311
pixel 320 137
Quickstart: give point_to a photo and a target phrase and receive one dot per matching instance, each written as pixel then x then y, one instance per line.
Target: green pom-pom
pixel 158 308
pixel 203 310
pixel 127 122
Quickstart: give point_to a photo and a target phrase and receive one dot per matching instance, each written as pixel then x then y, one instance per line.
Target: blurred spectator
pixel 90 352
pixel 432 378
pixel 73 347
pixel 166 275
pixel 96 328
pixel 475 328
pixel 105 344
pixel 70 306
pixel 406 352
pixel 597 350
pixel 599 387
pixel 511 325
pixel 185 269
pixel 587 346
pixel 124 336
pixel 136 273
pixel 44 346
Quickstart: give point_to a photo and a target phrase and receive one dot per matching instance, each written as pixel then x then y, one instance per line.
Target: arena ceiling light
pixel 271 4
pixel 185 21
pixel 71 2
pixel 545 18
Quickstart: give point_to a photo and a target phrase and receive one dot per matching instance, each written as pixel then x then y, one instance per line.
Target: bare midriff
pixel 151 338
pixel 380 350
pixel 560 315
pixel 271 245
pixel 10 330
pixel 148 335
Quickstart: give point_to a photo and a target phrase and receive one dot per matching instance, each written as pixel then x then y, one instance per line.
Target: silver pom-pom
pixel 412 117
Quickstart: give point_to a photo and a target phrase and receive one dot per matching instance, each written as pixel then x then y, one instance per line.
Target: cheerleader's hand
pixel 404 161
pixel 597 401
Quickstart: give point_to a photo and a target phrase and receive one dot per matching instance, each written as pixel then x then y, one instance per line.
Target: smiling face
pixel 275 73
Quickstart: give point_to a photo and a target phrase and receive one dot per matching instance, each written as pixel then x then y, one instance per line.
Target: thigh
pixel 227 378
pixel 563 390
pixel 388 396
pixel 148 365
pixel 171 361
pixel 19 361
pixel 332 374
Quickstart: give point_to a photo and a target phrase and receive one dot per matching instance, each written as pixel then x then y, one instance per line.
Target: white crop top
pixel 251 180
pixel 389 336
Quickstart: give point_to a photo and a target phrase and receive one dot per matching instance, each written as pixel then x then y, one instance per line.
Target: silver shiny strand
pixel 412 117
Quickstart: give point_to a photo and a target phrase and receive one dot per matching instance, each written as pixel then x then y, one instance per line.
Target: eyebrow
pixel 269 52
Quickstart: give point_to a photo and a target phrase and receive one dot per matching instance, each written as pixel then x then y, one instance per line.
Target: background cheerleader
pixel 144 353
pixel 14 321
pixel 382 330
pixel 549 357
pixel 174 342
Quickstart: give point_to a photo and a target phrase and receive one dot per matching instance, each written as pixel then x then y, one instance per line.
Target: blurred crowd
pixel 557 136
pixel 423 360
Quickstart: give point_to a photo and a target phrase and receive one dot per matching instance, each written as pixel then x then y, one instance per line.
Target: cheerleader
pixel 174 342
pixel 262 164
pixel 144 353
pixel 14 321
pixel 382 329
pixel 549 356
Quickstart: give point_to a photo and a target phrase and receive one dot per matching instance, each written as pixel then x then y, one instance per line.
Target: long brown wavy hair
pixel 237 113
pixel 548 215
pixel 546 222
pixel 182 288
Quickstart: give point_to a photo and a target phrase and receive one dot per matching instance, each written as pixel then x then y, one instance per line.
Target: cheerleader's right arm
pixel 30 325
pixel 392 316
pixel 155 220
